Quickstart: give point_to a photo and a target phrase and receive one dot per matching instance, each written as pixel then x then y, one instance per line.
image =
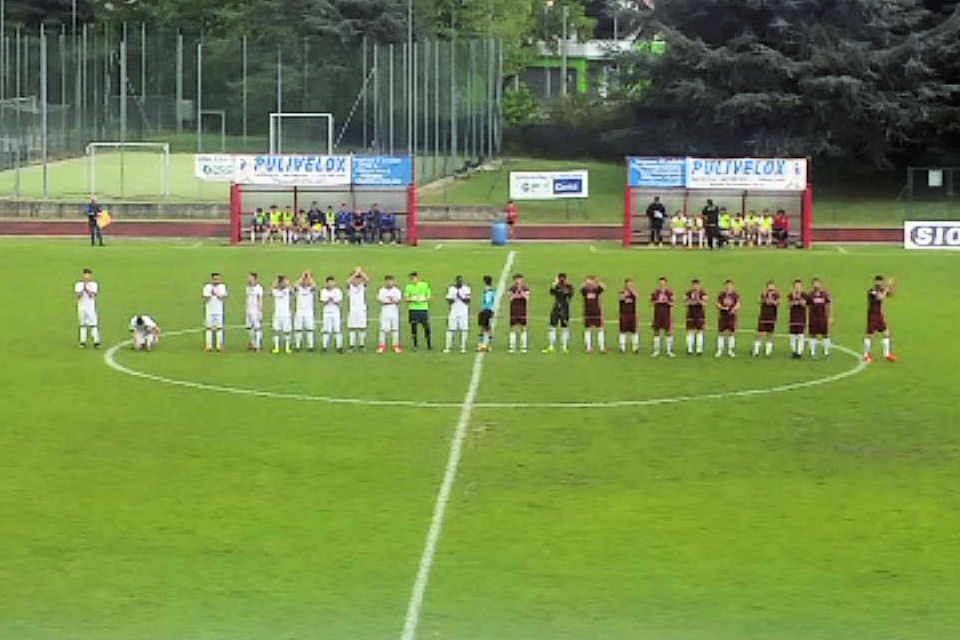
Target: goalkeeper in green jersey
pixel 417 295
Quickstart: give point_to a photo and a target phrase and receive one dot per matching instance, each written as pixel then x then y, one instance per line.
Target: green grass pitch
pixel 133 508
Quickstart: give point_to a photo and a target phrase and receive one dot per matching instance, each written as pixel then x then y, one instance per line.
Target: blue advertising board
pixel 382 171
pixel 657 172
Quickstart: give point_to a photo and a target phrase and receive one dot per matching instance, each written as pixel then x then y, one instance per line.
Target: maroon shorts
pixel 696 323
pixel 519 320
pixel 661 319
pixel 876 322
pixel 593 322
pixel 818 327
pixel 728 322
pixel 766 326
pixel 628 324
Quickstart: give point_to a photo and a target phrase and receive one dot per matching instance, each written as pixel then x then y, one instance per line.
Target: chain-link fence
pixel 61 90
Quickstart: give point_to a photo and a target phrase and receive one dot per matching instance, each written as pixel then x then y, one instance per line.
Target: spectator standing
pixel 657 213
pixel 711 222
pixel 93 222
pixel 512 212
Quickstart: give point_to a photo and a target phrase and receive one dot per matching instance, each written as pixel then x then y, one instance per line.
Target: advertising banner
pixel 304 170
pixel 657 172
pixel 213 168
pixel 549 185
pixel 382 170
pixel 771 174
pixel 931 234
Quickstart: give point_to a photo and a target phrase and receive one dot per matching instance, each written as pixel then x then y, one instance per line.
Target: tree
pixel 847 78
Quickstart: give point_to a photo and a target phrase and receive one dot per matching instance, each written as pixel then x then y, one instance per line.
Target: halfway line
pixel 450 474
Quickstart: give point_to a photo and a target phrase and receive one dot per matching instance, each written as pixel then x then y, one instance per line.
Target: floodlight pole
pixel 199 96
pixel 43 107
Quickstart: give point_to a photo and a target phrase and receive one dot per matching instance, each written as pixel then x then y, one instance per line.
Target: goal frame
pixel 91 152
pixel 276 128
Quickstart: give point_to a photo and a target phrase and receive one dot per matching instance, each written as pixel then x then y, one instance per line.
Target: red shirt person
pixel 591 290
pixel 819 317
pixel 628 316
pixel 877 318
pixel 512 212
pixel 662 300
pixel 519 293
pixel 767 323
pixel 728 302
pixel 696 301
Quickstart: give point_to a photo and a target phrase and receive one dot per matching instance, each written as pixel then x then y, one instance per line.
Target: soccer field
pixel 179 494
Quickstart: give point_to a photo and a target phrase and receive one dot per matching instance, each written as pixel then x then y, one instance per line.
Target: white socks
pixel 553 337
pixel 602 340
pixel 886 346
pixel 565 338
pixel 588 340
pixel 656 344
pixel 83 335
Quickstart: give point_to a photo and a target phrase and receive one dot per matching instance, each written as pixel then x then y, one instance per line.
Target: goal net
pixel 128 169
pixel 301 132
pixel 740 186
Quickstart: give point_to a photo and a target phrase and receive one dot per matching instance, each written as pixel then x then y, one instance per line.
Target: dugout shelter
pixel 739 184
pixel 295 182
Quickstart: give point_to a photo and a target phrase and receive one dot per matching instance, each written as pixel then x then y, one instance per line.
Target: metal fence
pixel 62 89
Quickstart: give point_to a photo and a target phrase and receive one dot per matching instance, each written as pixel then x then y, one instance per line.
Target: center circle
pixel 109 358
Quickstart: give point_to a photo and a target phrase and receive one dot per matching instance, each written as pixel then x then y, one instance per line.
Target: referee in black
pixel 93 211
pixel 711 223
pixel 657 214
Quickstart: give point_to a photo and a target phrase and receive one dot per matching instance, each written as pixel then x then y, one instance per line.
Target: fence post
pixel 628 217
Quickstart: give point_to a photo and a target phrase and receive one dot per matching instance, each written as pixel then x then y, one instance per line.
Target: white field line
pixel 110 359
pixel 841 250
pixel 449 475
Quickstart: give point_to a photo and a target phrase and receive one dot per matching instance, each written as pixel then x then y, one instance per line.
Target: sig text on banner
pixel 772 174
pixel 305 170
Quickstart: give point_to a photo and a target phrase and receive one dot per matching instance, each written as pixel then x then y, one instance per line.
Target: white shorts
pixel 214 321
pixel 458 321
pixel 304 322
pixel 331 323
pixel 282 324
pixel 357 319
pixel 254 320
pixel 87 317
pixel 144 339
pixel 390 318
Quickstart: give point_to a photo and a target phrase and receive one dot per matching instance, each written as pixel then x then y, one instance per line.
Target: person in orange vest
pixel 513 214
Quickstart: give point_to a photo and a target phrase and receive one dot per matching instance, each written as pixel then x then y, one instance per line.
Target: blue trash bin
pixel 500 234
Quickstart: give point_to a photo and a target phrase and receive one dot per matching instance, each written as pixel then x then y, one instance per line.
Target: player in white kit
pixel 254 312
pixel 87 291
pixel 282 324
pixel 331 299
pixel 303 321
pixel 214 295
pixel 458 319
pixel 390 298
pixel 146 332
pixel 357 313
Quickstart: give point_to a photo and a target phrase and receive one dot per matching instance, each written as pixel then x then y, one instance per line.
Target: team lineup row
pixel 294 321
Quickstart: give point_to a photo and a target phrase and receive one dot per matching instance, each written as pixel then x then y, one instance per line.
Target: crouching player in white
pixel 304 323
pixel 331 297
pixel 254 312
pixel 357 313
pixel 87 291
pixel 282 324
pixel 458 319
pixel 390 298
pixel 146 332
pixel 214 294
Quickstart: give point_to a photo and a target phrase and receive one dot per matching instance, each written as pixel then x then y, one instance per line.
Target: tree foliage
pixel 868 79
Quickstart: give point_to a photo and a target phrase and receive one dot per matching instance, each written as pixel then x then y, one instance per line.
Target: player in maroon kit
pixel 728 302
pixel 767 324
pixel 877 318
pixel 819 317
pixel 662 300
pixel 628 317
pixel 798 318
pixel 696 301
pixel 519 294
pixel 593 314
